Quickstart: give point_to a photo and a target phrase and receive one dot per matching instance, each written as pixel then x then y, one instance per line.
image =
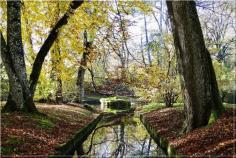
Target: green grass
pixel 6 122
pixel 227 105
pixel 11 145
pixel 13 140
pixel 43 121
pixel 154 106
pixel 6 150
pixel 213 117
pixel 114 111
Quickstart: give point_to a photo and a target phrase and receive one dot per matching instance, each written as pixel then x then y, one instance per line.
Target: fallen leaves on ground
pixel 23 134
pixel 217 139
pixel 167 121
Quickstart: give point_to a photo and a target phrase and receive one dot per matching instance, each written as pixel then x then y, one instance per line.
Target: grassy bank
pixel 216 139
pixel 27 135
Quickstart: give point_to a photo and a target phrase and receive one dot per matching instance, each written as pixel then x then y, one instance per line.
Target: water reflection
pixel 122 136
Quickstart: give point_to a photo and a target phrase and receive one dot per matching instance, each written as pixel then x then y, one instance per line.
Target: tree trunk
pixel 56 71
pixel 57 62
pixel 21 94
pixel 19 98
pixel 149 146
pixel 82 68
pixel 147 42
pixel 143 58
pixel 80 84
pixel 201 90
pixel 38 63
pixel 59 96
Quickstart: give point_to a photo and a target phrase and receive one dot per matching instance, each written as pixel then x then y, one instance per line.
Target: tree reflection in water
pixel 123 136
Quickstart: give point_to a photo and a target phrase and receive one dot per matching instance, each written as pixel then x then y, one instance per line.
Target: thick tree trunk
pixel 21 94
pixel 20 97
pixel 201 91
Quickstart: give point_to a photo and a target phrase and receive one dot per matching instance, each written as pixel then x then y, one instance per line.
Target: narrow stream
pixel 119 136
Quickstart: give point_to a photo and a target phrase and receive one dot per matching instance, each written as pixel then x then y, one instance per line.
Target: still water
pixel 119 136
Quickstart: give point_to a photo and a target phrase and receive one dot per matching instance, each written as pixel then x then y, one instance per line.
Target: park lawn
pixel 30 134
pixel 154 106
pixel 215 139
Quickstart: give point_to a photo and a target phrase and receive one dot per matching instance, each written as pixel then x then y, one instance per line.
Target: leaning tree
pixel 21 92
pixel 201 90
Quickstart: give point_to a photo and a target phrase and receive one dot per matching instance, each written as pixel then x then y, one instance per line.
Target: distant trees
pixel 218 25
pixel 21 93
pixel 201 90
pixel 219 19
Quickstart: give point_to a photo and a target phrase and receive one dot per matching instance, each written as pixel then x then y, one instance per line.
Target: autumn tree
pixel 219 31
pixel 12 54
pixel 37 66
pixel 57 62
pixel 147 43
pixel 201 90
pixel 21 90
pixel 215 28
pixel 83 67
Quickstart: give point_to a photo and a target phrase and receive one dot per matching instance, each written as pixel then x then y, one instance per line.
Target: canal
pixel 119 136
